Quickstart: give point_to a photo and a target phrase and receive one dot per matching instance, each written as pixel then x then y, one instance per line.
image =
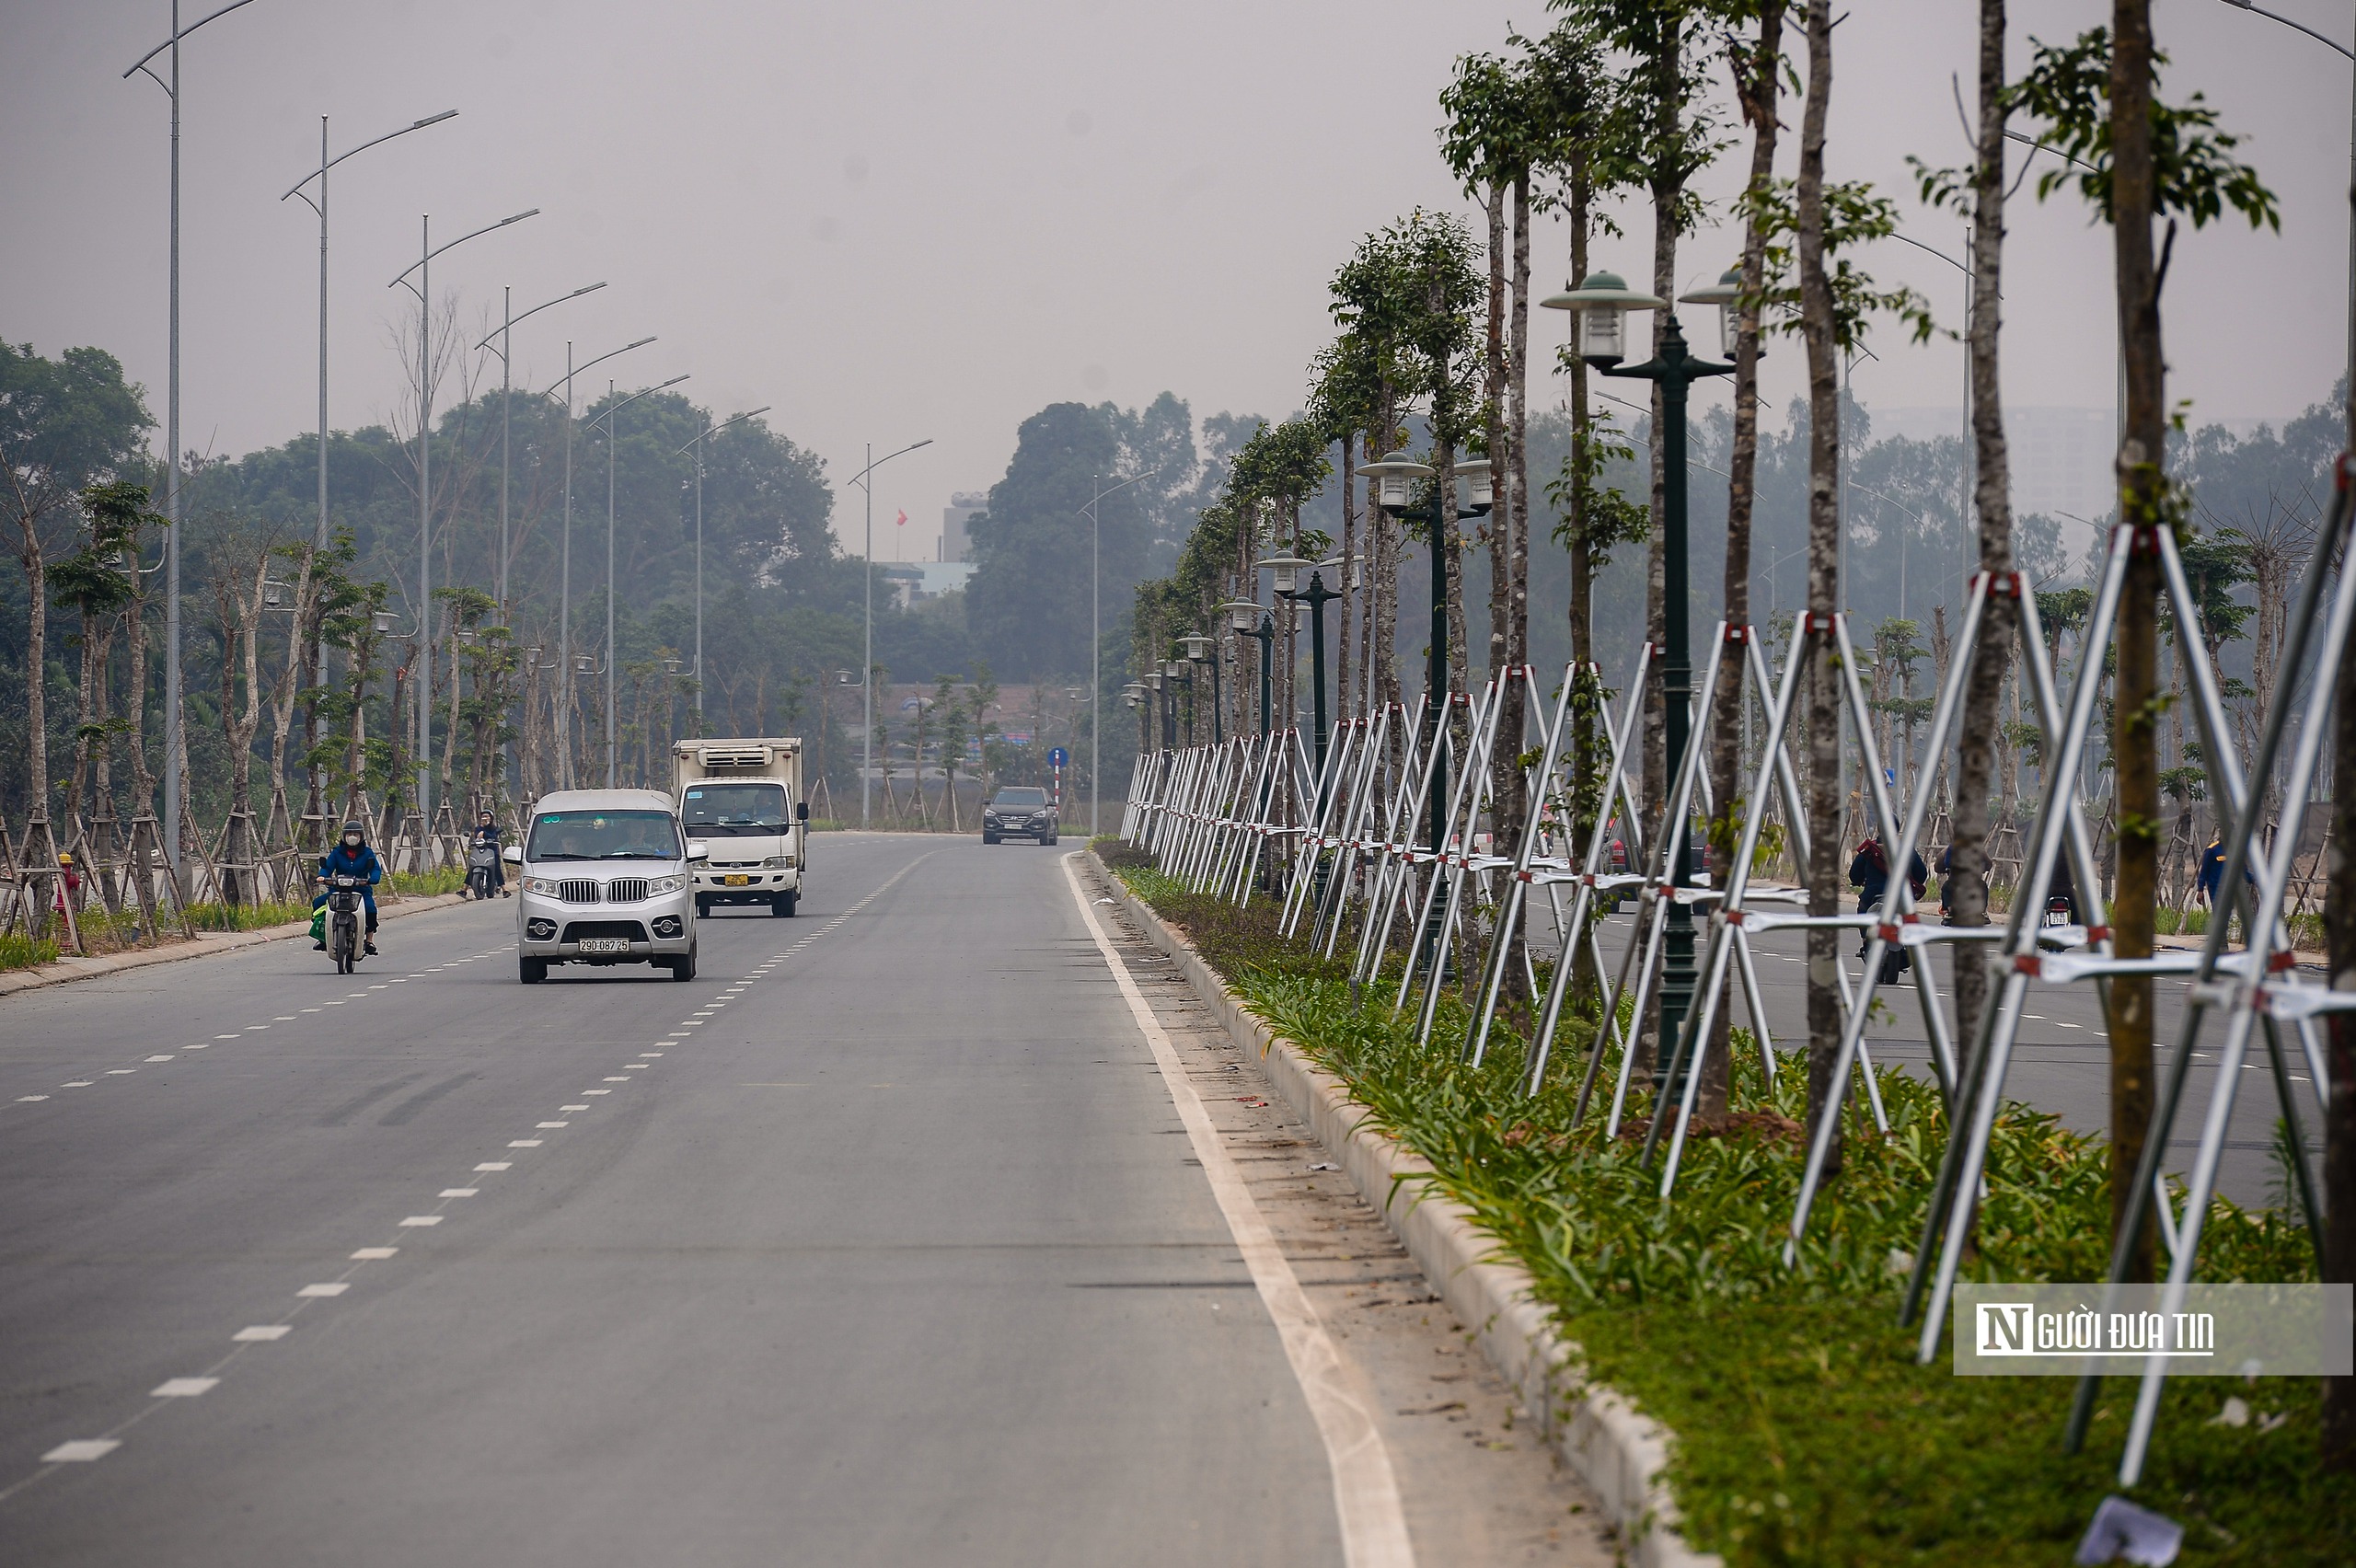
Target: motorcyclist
pixel 353 857
pixel 487 833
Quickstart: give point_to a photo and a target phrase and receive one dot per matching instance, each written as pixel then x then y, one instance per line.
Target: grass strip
pixel 1806 1433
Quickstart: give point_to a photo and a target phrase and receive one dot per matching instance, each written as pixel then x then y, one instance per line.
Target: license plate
pixel 736 882
pixel 604 945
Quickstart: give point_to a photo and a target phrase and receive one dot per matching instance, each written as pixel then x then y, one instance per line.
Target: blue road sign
pixel 1059 757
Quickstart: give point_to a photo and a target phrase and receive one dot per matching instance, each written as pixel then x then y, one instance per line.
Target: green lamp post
pixel 1602 304
pixel 1248 619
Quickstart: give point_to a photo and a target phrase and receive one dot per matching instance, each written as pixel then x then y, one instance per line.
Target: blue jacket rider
pixel 353 857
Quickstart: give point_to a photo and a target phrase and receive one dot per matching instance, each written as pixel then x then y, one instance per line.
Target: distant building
pixel 911 582
pixel 963 504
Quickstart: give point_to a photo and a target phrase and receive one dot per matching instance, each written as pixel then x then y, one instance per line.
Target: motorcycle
pixel 344 903
pixel 482 864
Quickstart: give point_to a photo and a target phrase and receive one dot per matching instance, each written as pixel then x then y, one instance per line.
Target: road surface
pixel 879 1242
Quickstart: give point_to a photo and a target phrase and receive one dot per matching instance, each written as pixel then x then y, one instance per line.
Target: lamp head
pixel 1726 295
pixel 1288 570
pixel 1390 478
pixel 1602 300
pixel 1474 472
pixel 1242 615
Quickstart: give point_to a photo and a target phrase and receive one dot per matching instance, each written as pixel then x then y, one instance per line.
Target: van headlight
pixel 545 887
pixel 657 886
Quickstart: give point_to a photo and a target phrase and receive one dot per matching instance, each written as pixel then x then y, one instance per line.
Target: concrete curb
pixel 1618 1452
pixel 67 970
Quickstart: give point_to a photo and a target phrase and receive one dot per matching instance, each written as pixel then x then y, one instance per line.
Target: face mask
pixel 351 841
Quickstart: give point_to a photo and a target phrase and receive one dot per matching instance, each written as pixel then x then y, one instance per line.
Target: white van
pixel 604 879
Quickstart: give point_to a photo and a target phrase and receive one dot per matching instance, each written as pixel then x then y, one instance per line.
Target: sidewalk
pixel 67 970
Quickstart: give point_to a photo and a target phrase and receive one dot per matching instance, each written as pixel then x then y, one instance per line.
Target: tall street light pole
pixel 508 322
pixel 864 479
pixel 613 439
pixel 564 568
pixel 1096 633
pixel 708 429
pixel 2334 44
pixel 318 205
pixel 1249 619
pixel 422 687
pixel 1601 301
pixel 175 732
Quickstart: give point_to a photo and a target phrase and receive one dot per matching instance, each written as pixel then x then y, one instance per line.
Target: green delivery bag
pixel 319 925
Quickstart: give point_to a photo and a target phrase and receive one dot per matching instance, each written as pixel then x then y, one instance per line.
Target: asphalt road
pixel 2061 1062
pixel 817 1259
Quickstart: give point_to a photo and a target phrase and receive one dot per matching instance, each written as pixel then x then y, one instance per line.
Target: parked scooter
pixel 344 894
pixel 482 867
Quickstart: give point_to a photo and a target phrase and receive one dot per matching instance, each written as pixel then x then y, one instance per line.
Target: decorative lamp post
pixel 1394 479
pixel 1246 618
pixel 1202 649
pixel 1315 598
pixel 1602 303
pixel 1175 674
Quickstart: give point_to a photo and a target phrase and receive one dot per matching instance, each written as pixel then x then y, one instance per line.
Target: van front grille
pixel 626 890
pixel 581 891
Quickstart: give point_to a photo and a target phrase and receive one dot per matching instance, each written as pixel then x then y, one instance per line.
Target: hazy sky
pixel 894 220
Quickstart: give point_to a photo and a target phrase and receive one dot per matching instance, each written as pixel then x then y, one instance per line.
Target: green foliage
pixel 2195 174
pixel 20 951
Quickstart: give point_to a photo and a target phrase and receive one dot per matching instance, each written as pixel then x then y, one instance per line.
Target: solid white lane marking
pixel 333 1288
pixel 258 1332
pixel 423 1219
pixel 1366 1491
pixel 80 1450
pixel 183 1387
pixel 523 1143
pixel 496 1165
pixel 374 1254
pixel 460 1192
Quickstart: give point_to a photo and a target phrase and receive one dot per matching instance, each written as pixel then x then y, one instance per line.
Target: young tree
pixel 64 423
pixel 2140 161
pixel 94 582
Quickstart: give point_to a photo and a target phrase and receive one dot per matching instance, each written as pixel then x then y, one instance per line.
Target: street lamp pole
pixel 864 479
pixel 1600 302
pixel 175 731
pixel 708 429
pixel 613 438
pixel 1096 635
pixel 508 322
pixel 564 569
pixel 319 536
pixel 422 688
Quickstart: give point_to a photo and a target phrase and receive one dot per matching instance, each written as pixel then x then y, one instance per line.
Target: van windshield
pixel 604 835
pixel 734 811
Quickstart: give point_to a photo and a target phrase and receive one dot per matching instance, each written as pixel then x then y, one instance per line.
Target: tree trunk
pixel 1348 703
pixel 2135 686
pixel 1513 812
pixel 36 670
pixel 1823 587
pixel 1757 86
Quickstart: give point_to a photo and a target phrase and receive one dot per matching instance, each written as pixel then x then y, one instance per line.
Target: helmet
pixel 353 828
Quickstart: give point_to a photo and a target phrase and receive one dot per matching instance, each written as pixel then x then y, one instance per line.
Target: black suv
pixel 1018 811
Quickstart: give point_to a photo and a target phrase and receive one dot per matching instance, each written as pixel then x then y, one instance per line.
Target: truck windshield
pixel 604 835
pixel 726 811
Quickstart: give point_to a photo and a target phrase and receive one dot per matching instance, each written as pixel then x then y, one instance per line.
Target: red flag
pixel 901 520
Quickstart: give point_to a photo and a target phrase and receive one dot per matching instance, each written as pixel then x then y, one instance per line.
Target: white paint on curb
pixel 1366 1491
pixel 1620 1453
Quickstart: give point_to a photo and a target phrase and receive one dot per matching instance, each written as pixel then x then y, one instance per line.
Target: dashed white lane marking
pixel 524 1142
pixel 257 1333
pixel 496 1165
pixel 650 1052
pixel 200 1045
pixel 632 1067
pixel 121 1072
pixel 232 1037
pixel 183 1387
pixel 374 1254
pixel 572 1108
pixel 30 1099
pixel 333 1288
pixel 608 1090
pixel 423 1219
pixel 81 1450
pixel 601 1091
pixel 460 1192
pixel 545 1126
pixel 160 1058
pixel 1366 1491
pixel 77 1083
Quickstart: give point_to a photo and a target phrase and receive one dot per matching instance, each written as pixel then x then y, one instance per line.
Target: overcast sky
pixel 894 220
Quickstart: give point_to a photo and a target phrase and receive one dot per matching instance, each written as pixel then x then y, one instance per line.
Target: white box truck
pixel 743 799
